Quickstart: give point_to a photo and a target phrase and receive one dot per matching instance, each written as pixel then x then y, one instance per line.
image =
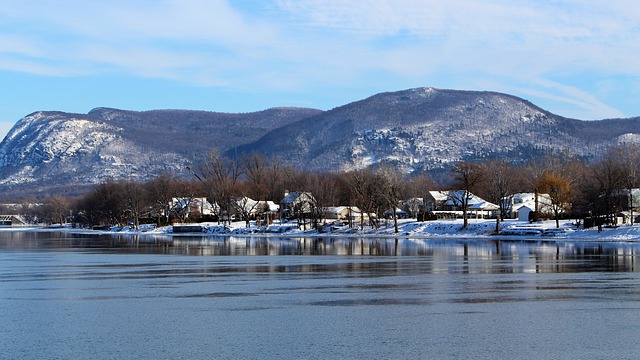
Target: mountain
pixel 425 129
pixel 46 151
pixel 418 130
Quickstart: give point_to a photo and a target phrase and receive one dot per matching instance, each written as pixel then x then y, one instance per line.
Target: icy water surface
pixel 105 297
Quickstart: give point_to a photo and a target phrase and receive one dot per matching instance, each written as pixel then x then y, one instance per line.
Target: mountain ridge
pixel 433 123
pixel 416 130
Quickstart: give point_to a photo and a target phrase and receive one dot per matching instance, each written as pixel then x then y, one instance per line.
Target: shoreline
pixel 408 229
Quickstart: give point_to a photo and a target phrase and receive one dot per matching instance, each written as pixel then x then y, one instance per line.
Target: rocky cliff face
pixel 417 130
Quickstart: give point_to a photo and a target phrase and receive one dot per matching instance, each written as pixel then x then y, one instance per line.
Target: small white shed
pixel 523 213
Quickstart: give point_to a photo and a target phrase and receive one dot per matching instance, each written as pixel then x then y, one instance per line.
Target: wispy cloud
pixel 288 45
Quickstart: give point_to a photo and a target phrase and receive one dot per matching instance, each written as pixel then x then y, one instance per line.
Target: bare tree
pixel 183 199
pixel 161 192
pixel 468 177
pixel 500 186
pixel 256 168
pixel 364 194
pixel 221 176
pixel 610 177
pixel 628 156
pixel 324 190
pixel 56 209
pixel 135 200
pixel 392 189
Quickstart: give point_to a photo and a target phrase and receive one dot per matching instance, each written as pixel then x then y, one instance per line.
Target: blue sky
pixel 578 59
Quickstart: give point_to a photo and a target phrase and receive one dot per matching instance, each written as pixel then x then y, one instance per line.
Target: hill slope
pixel 417 130
pixel 50 149
pixel 425 128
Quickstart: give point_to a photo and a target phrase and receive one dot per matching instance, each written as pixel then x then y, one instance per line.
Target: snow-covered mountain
pixel 425 129
pixel 417 130
pixel 49 150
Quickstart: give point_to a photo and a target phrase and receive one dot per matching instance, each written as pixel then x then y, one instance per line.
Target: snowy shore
pixel 408 228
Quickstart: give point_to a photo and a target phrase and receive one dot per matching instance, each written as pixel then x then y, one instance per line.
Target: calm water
pixel 85 296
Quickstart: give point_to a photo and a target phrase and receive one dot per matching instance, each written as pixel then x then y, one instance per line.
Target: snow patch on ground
pixel 408 228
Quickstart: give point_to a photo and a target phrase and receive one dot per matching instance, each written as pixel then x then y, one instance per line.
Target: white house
pixel 249 207
pixel 296 203
pixel 189 205
pixel 344 213
pixel 452 200
pixel 521 204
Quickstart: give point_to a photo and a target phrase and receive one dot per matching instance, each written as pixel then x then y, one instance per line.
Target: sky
pixel 578 59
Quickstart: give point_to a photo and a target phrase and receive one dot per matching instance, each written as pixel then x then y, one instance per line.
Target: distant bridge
pixel 9 220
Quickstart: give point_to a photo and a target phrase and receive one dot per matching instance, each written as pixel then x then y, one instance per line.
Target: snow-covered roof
pixel 294 195
pixel 485 206
pixel 439 195
pixel 398 211
pixel 339 209
pixel 455 198
pixel 272 207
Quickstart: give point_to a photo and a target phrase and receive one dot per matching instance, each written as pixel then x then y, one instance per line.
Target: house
pixel 485 209
pixel 451 202
pixel 340 212
pixel 250 209
pixel 245 206
pixel 268 206
pixel 351 214
pixel 266 211
pixel 296 204
pixel 413 206
pixel 435 201
pixel 519 205
pixel 524 212
pixel 186 206
pixel 627 199
pixel 400 214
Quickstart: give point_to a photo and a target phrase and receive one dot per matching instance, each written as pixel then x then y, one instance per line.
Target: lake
pixel 68 296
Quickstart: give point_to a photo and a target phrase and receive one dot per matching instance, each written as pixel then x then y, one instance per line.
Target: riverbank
pixel 407 228
pixel 440 228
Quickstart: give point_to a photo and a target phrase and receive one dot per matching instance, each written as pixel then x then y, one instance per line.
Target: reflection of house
pixel 296 203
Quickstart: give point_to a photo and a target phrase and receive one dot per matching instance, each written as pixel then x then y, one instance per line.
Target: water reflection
pixel 444 255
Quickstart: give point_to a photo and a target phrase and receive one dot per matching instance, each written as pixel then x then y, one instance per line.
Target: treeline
pixel 577 189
